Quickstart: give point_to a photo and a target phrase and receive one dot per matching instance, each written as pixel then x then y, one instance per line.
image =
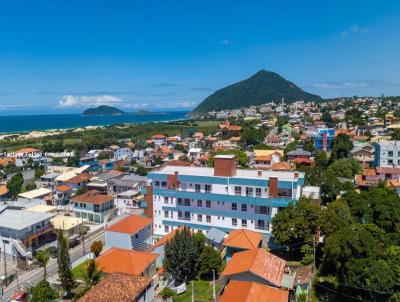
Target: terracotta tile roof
pixel 258 262
pixel 125 261
pixel 64 188
pixel 79 178
pixel 117 288
pixel 166 238
pixel 302 160
pixel 393 183
pixel 234 128
pixel 235 138
pixel 3 190
pixel 281 166
pixel 93 197
pixel 27 150
pixel 165 149
pixel 6 161
pixel 243 239
pixel 369 172
pixel 180 163
pixel 246 291
pixel 385 170
pixel 130 224
pixel 264 158
pixel 158 136
pixel 303 274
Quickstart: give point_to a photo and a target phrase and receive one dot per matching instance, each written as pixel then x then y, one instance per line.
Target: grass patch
pixel 79 271
pixel 202 292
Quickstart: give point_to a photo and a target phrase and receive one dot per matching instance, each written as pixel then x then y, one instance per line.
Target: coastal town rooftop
pixel 240 173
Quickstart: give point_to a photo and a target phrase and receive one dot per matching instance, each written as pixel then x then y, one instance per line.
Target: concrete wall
pixel 120 240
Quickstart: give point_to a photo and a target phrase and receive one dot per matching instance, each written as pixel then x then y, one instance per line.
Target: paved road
pixel 32 277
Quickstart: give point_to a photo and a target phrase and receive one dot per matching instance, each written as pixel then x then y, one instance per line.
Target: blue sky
pixel 64 56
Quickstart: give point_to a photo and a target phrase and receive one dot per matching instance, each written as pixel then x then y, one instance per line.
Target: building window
pixel 156 183
pixel 262 210
pixel 166 228
pixel 249 191
pixel 244 207
pixel 164 184
pixel 238 190
pixel 199 203
pixel 187 215
pixel 244 223
pixel 199 217
pixel 166 214
pixel 390 153
pixel 166 200
pixel 390 161
pixel 184 202
pixel 258 192
pixel 207 188
pixel 208 218
pixel 234 221
pixel 197 187
pixel 208 204
pixel 234 206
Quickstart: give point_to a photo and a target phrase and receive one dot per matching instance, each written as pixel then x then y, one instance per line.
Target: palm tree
pixel 92 275
pixel 43 258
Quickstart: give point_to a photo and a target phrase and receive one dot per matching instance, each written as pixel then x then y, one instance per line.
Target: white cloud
pixel 340 85
pixel 184 104
pixel 227 42
pixel 354 29
pixel 73 101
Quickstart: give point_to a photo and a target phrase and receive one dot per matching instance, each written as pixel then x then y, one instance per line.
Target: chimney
pixel 225 165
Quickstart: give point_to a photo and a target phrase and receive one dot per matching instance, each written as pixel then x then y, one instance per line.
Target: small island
pixel 102 110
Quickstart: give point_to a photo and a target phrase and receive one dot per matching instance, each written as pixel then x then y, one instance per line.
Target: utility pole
pixel 5 262
pixel 192 291
pixel 83 238
pixel 214 295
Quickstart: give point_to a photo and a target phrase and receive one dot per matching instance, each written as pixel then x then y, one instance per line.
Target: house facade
pixel 222 197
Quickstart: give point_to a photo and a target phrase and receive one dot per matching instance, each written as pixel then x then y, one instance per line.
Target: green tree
pixel 392 257
pixel 43 258
pixel 141 171
pixel 240 156
pixel 251 137
pixel 210 260
pixel 82 190
pixel 327 118
pixel 341 146
pixel 15 184
pixel 181 256
pixel 92 274
pixel 201 241
pixel 346 244
pixel 42 292
pixel 64 266
pixel 296 223
pixel 335 216
pixel 39 171
pixel 321 159
pixel 105 155
pixel 96 248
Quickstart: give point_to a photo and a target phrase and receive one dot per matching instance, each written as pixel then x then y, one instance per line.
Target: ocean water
pixel 26 123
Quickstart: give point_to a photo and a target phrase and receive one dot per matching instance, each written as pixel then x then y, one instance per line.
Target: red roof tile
pixel 125 261
pixel 130 224
pixel 93 197
pixel 246 291
pixel 117 288
pixel 258 262
pixel 243 239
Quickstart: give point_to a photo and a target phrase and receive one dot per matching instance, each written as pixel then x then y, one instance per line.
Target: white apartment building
pixel 221 197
